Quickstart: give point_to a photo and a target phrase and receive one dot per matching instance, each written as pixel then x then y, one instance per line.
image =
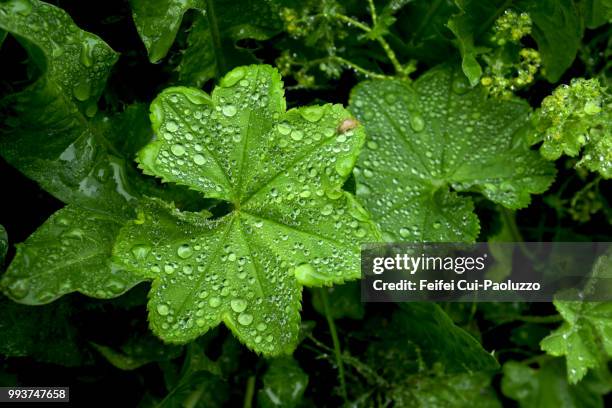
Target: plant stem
pixel 347 63
pixel 383 43
pixel 373 11
pixel 351 21
pixel 336 342
pixel 357 68
pixel 391 55
pixel 249 392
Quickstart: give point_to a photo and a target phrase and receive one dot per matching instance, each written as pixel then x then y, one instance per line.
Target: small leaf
pixel 584 338
pixel 284 384
pixel 70 252
pixel 158 21
pixel 473 20
pixel 139 350
pixel 437 134
pixel 422 337
pixel 290 224
pixel 212 41
pixel 547 387
pixel 49 130
pixel 450 391
pixel 558 30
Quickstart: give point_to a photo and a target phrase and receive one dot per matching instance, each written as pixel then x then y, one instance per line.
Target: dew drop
pixel 229 110
pixel 178 149
pixel 82 90
pixel 199 159
pixel 417 123
pixel 163 309
pixel 171 126
pixel 238 305
pixel 19 288
pixel 297 135
pixel 232 77
pixel 245 319
pixel 214 301
pixel 283 129
pixel 184 251
pixel 140 252
pixel 312 113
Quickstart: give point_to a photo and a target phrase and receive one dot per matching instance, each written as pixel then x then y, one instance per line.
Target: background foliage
pixel 441 89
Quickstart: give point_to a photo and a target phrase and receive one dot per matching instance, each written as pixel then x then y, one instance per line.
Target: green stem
pixel 391 55
pixel 517 237
pixel 357 68
pixel 216 37
pixel 373 11
pixel 352 21
pixel 346 63
pixel 336 342
pixel 249 392
pixel 383 43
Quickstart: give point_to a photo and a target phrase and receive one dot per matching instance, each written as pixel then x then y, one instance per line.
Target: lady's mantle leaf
pixel 48 129
pixel 284 384
pixel 69 252
pixel 585 338
pixel 291 223
pixel 211 43
pixel 435 135
pixel 158 21
pixel 547 387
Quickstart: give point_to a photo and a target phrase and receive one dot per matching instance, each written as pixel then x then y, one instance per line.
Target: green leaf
pixel 48 133
pixel 70 252
pixel 284 384
pixel 434 135
pixel 344 301
pixel 473 19
pixel 451 391
pixel 557 29
pixel 44 333
pixel 158 21
pixel 596 12
pixel 547 387
pixel 577 117
pixel 3 245
pixel 199 384
pixel 211 44
pixel 585 336
pixel 138 350
pixel 290 224
pixel 422 337
pixel 386 19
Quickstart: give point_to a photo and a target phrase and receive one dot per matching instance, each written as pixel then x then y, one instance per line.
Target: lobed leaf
pixel 158 21
pixel 284 384
pixel 70 252
pixel 584 337
pixel 436 135
pixel 49 130
pixel 290 224
pixel 211 43
pixel 547 387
